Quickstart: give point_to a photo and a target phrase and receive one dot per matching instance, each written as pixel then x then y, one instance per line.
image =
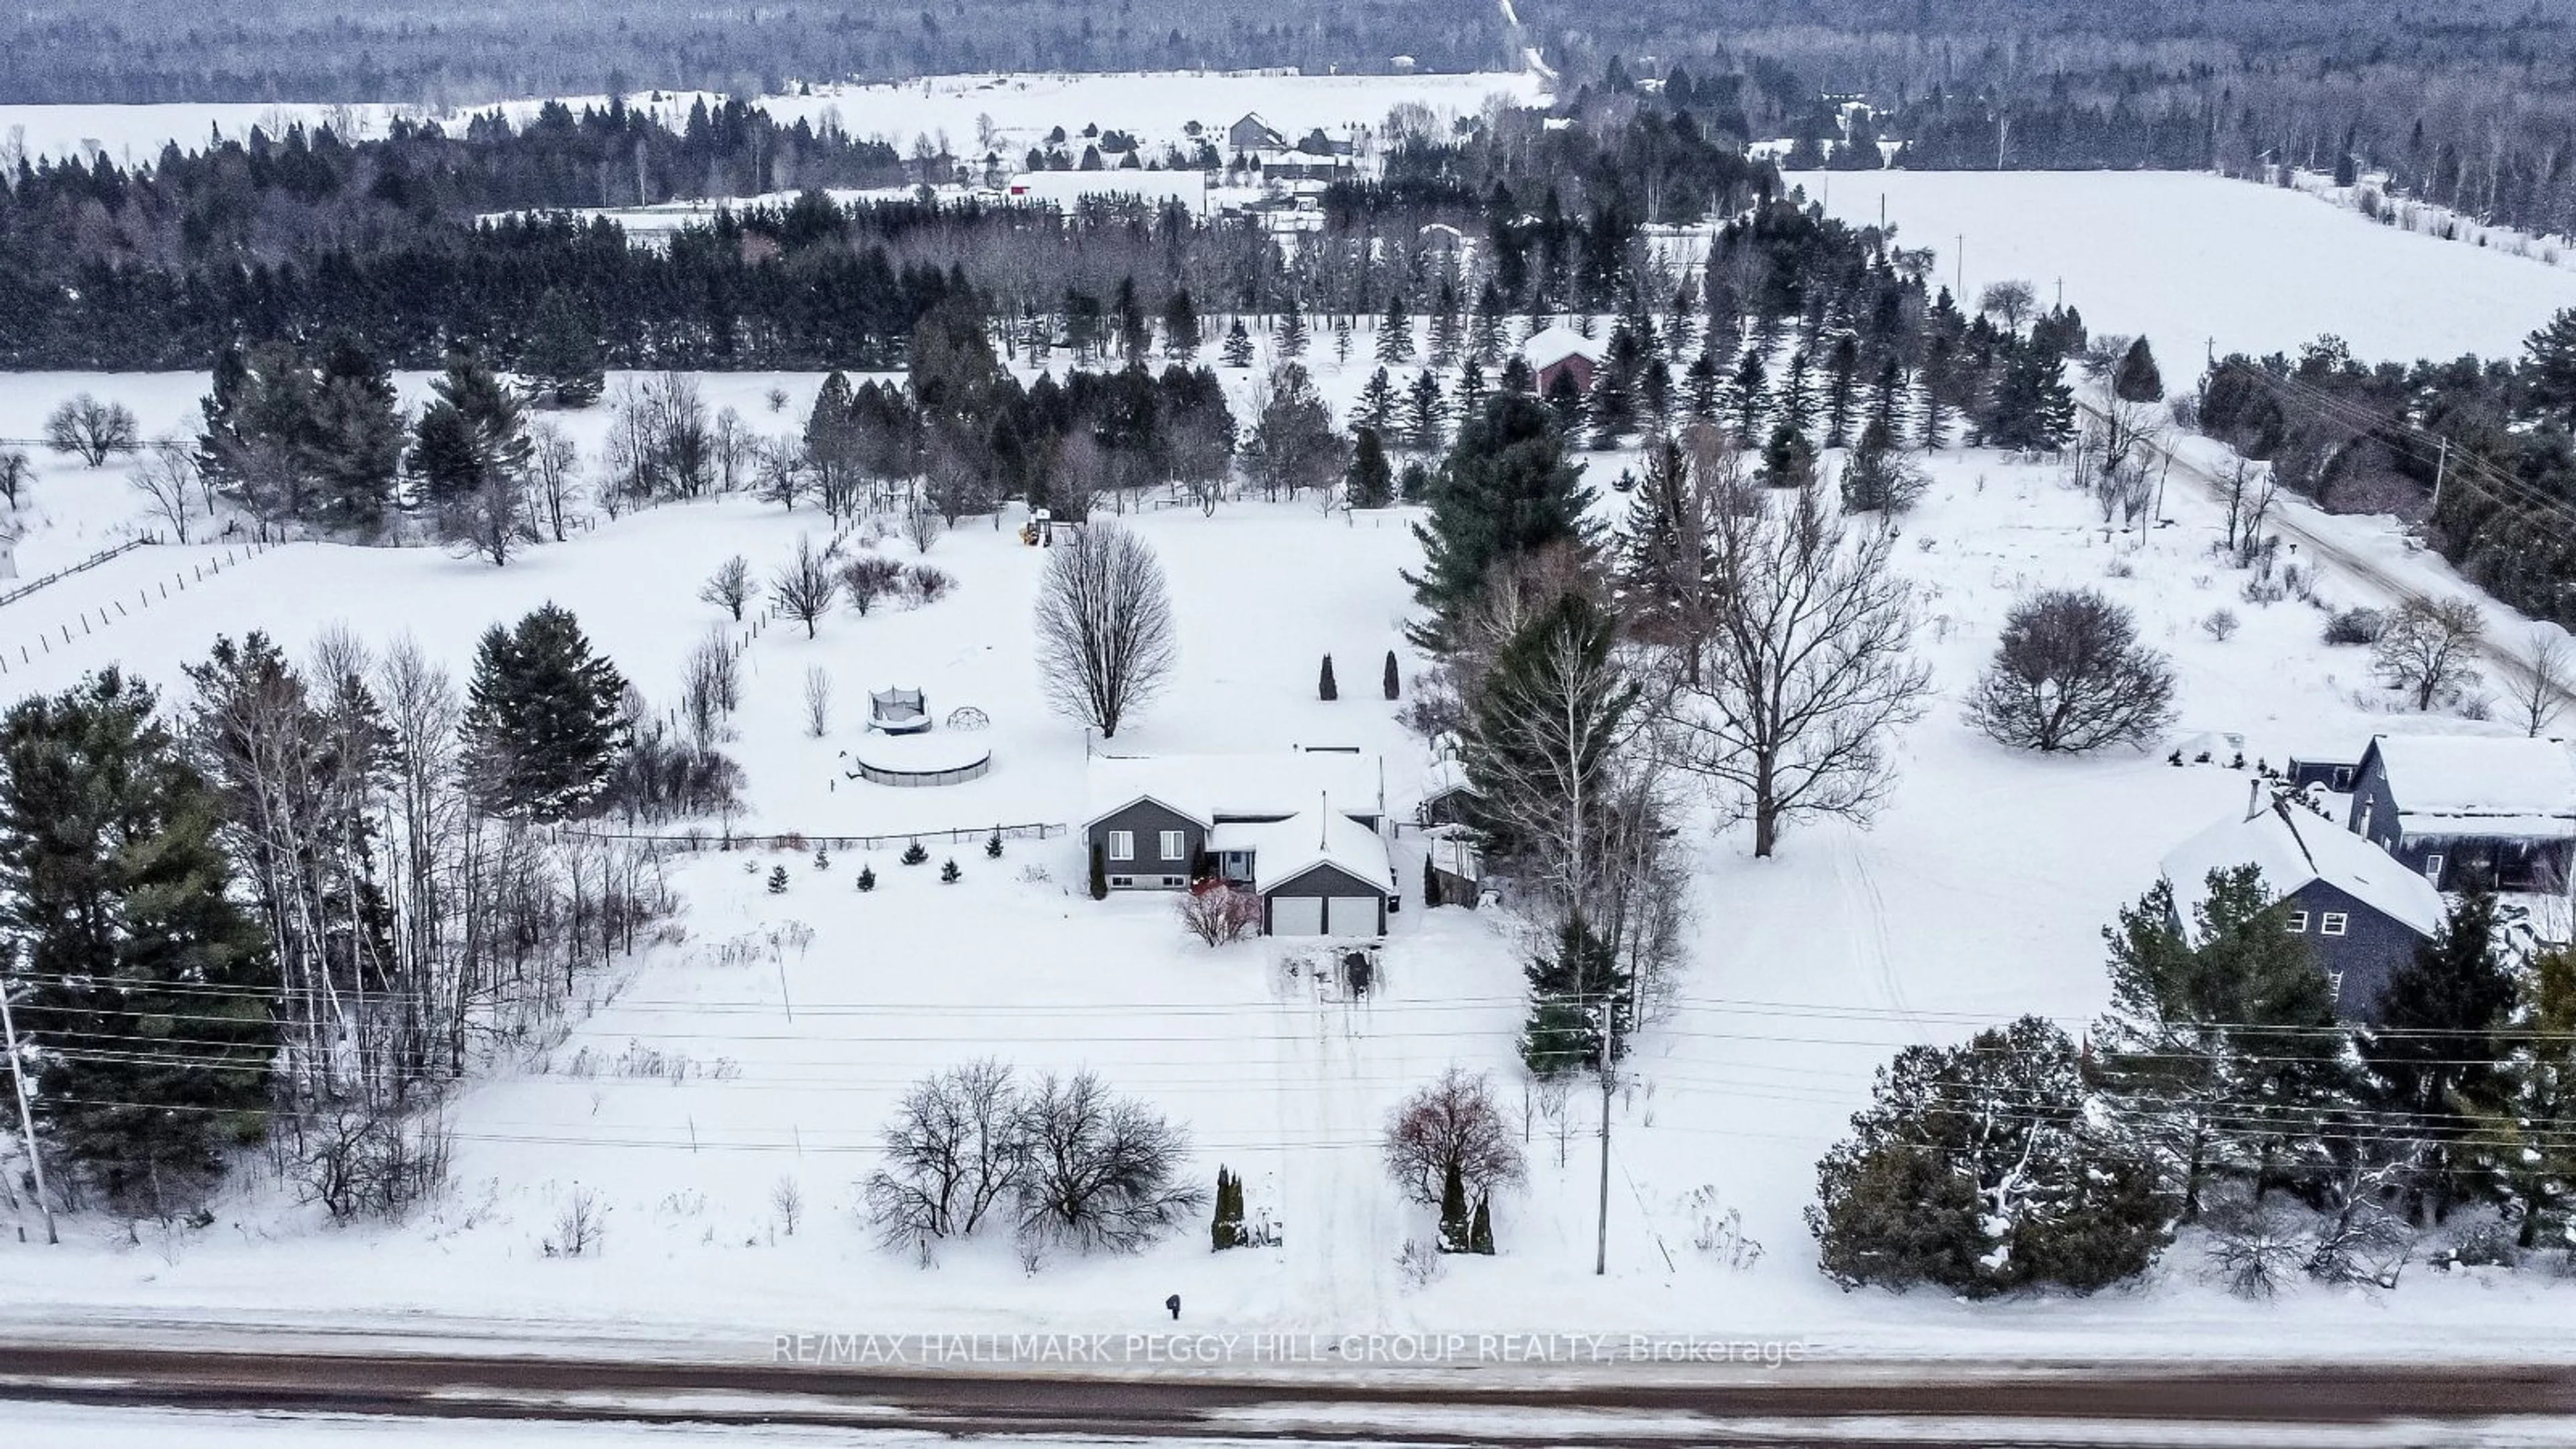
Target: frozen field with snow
pixel 1152 105
pixel 1980 894
pixel 2184 258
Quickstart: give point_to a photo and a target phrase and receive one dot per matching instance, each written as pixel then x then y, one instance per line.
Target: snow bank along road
pixel 1813 1403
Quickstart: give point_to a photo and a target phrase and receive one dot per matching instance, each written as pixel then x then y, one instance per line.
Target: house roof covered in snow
pixel 1206 787
pixel 2294 848
pixel 1443 777
pixel 2479 785
pixel 1286 849
pixel 1555 343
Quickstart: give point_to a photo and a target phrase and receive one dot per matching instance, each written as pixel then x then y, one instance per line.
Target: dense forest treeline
pixel 415 50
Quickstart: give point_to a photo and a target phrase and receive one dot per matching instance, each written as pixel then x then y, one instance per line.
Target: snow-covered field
pixel 1979 895
pixel 2187 258
pixel 1151 105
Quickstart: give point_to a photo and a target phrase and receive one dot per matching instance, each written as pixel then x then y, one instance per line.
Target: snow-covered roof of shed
pixel 1275 782
pixel 1287 849
pixel 2480 785
pixel 1553 344
pixel 2292 847
pixel 1443 777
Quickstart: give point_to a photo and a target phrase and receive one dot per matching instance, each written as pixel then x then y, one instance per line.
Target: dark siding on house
pixel 1326 880
pixel 2370 951
pixel 1149 820
pixel 2512 862
pixel 2374 809
pixel 2336 775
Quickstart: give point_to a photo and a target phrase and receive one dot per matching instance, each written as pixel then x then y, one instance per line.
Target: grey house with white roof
pixel 2463 807
pixel 2360 910
pixel 1300 828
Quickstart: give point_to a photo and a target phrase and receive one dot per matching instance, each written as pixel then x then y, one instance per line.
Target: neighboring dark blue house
pixel 1300 828
pixel 2359 909
pixel 2462 807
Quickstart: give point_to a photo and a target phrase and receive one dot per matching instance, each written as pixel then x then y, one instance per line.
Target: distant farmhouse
pixel 2361 911
pixel 1560 351
pixel 1300 828
pixel 2457 807
pixel 1254 134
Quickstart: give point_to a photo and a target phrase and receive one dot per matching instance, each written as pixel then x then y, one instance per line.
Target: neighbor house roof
pixel 2293 848
pixel 2479 785
pixel 1286 849
pixel 1204 787
pixel 1552 345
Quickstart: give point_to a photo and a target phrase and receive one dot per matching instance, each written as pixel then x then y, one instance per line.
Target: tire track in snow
pixel 1330 1192
pixel 1867 907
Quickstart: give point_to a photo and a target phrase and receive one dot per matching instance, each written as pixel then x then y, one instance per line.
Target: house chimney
pixel 1324 821
pixel 2254 801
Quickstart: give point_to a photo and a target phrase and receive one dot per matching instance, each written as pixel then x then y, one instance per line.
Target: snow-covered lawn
pixel 2185 258
pixel 1979 895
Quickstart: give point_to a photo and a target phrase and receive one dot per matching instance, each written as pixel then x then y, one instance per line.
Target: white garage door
pixel 1296 915
pixel 1351 916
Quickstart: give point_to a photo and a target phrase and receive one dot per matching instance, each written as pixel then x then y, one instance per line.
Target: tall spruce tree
pixel 2032 410
pixel 1505 490
pixel 2523 1114
pixel 1370 483
pixel 561 361
pixel 147 1015
pixel 2434 1046
pixel 542 721
pixel 1572 985
pixel 472 432
pixel 2135 378
pixel 2549 365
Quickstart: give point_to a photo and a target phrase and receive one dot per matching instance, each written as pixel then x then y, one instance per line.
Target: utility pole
pixel 2441 467
pixel 36 1161
pixel 1959 272
pixel 1609 1049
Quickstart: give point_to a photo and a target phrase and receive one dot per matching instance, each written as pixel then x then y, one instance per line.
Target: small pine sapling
pixel 1324 687
pixel 993 844
pixel 778 880
pixel 1388 680
pixel 822 857
pixel 915 853
pixel 949 872
pixel 1455 1229
pixel 1099 875
pixel 1480 1229
pixel 867 878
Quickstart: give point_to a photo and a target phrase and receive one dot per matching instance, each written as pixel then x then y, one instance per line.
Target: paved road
pixel 1813 1404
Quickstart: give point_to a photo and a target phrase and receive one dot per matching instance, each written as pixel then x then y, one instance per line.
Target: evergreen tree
pixel 1571 986
pixel 1424 414
pixel 1447 334
pixel 1564 402
pixel 2433 1047
pixel 1747 396
pixel 1099 882
pixel 1430 884
pixel 1485 332
pixel 1369 483
pixel 1375 407
pixel 1292 334
pixel 1505 490
pixel 2033 410
pixel 1389 681
pixel 1225 1227
pixel 1480 1231
pixel 1395 333
pixel 1180 326
pixel 471 434
pixel 2135 377
pixel 1788 459
pixel 1842 389
pixel 1700 388
pixel 542 720
pixel 1456 1230
pixel 1976 1169
pixel 867 877
pixel 2220 1044
pixel 1797 393
pixel 1471 388
pixel 1238 346
pixel 117 894
pixel 355 443
pixel 562 360
pixel 1878 477
pixel 2523 1114
pixel 1939 361
pixel 1325 689
pixel 2549 366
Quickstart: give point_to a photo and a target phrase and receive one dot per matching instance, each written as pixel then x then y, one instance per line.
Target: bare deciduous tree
pixel 1808 673
pixel 15 474
pixel 868 578
pixel 494 520
pixel 1100 1170
pixel 2430 649
pixel 1455 1121
pixel 818 700
pixel 2070 674
pixel 922 526
pixel 710 687
pixel 2009 302
pixel 166 476
pixel 731 586
pixel 554 474
pixel 804 586
pixel 954 1151
pixel 91 430
pixel 2541 685
pixel 1220 914
pixel 1104 627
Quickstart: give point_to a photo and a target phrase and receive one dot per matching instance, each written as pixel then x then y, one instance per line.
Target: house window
pixel 1121 882
pixel 2334 986
pixel 1176 880
pixel 1122 845
pixel 1172 845
pixel 2298 923
pixel 2332 923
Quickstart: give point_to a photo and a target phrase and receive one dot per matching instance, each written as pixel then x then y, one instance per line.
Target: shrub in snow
pixel 2355 626
pixel 927 584
pixel 1217 914
pixel 949 872
pixel 2070 674
pixel 915 853
pixel 2220 625
pixel 868 578
pixel 1976 1169
pixel 867 878
pixel 581 1225
pixel 1452 1128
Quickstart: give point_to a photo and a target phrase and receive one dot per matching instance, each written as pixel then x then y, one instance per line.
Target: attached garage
pixel 1297 915
pixel 1353 916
